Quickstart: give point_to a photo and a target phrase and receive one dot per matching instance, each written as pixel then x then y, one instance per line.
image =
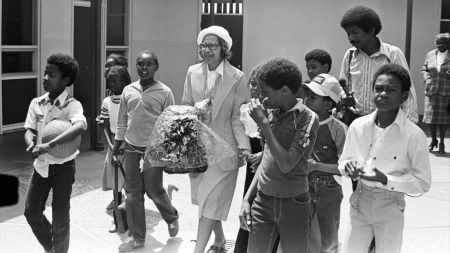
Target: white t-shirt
pixel 110 110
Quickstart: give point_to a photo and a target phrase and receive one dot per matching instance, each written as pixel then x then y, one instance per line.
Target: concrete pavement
pixel 427 226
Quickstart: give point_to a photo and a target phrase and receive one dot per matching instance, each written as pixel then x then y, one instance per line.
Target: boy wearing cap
pixel 324 177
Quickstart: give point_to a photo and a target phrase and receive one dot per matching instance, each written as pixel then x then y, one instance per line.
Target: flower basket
pixel 181 144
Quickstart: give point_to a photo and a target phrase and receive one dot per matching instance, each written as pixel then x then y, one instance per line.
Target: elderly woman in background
pixel 215 79
pixel 436 76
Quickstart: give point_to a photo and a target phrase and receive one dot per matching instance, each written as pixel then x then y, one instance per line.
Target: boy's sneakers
pixel 173 228
pixel 130 244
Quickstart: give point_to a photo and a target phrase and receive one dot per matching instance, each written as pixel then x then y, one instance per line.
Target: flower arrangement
pixel 180 143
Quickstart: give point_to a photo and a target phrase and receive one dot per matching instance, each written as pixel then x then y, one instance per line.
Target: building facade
pixel 262 29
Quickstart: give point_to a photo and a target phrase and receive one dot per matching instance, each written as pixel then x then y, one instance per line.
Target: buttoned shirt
pixel 41 112
pixel 296 128
pixel 213 75
pixel 400 151
pixel 362 69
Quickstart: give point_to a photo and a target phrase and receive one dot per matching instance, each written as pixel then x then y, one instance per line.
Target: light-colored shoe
pixel 130 244
pixel 113 228
pixel 173 228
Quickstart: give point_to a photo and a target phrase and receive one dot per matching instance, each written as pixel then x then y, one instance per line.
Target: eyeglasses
pixel 211 46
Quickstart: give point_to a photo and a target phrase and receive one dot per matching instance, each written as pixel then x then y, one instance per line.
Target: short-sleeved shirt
pixel 41 112
pixel 330 144
pixel 110 110
pixel 297 128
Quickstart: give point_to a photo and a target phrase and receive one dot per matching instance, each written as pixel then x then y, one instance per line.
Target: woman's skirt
pixel 436 110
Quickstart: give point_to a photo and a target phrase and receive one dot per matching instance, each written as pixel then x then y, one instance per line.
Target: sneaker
pixel 130 244
pixel 113 228
pixel 110 206
pixel 173 228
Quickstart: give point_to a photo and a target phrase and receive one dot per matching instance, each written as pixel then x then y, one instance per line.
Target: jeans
pixel 136 185
pixel 55 235
pixel 286 217
pixel 326 198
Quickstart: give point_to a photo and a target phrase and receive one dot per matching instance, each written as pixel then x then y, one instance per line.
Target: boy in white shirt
pixel 388 155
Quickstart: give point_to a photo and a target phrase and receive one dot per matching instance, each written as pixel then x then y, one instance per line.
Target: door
pixel 228 14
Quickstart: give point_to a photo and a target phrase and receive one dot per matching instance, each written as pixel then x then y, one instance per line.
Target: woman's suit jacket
pixel 217 184
pixel 436 82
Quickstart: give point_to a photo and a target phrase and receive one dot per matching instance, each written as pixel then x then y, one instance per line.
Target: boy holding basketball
pixel 50 169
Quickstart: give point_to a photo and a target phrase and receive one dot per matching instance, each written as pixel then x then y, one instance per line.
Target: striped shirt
pixel 297 128
pixel 110 110
pixel 362 69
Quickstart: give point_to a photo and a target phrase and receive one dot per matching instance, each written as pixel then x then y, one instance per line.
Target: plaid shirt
pixel 436 81
pixel 362 69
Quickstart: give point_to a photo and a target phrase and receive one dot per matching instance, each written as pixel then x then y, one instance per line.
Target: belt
pixel 69 162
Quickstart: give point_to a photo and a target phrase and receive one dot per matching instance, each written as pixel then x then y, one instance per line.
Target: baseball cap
pixel 325 85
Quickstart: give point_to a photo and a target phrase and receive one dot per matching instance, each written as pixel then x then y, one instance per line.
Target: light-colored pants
pixel 380 214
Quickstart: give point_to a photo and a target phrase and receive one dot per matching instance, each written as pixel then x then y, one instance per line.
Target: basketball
pixel 55 128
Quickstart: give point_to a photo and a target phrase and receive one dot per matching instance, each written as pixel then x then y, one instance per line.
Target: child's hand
pixel 257 111
pixel 244 215
pixel 100 122
pixel 353 169
pixel 312 165
pixel 244 154
pixel 40 149
pixel 255 160
pixel 31 144
pixel 377 176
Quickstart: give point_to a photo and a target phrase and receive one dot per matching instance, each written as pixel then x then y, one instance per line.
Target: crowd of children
pixel 297 152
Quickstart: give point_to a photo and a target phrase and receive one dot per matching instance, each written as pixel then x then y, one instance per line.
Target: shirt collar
pixel 219 70
pixel 299 106
pixel 399 119
pixel 383 50
pixel 325 121
pixel 59 100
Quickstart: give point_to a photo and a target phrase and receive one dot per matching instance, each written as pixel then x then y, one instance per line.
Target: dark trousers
pixel 53 235
pixel 137 184
pixel 242 238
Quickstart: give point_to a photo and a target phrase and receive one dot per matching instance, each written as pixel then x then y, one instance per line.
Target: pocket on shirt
pixel 395 158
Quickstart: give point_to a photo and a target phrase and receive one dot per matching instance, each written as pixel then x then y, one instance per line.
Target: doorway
pixel 229 15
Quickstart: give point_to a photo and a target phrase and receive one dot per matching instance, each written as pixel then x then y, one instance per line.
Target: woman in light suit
pixel 214 78
pixel 436 76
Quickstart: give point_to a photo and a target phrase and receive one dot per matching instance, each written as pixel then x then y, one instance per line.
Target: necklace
pixel 369 150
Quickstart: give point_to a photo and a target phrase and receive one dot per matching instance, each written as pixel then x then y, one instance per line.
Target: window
pixel 19 54
pixel 445 16
pixel 117 27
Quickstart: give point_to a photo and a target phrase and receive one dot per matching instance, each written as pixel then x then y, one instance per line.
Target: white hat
pixel 326 85
pixel 218 31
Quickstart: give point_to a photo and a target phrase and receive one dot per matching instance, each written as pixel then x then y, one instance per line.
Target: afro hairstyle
pixel 363 17
pixel 394 70
pixel 67 65
pixel 279 72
